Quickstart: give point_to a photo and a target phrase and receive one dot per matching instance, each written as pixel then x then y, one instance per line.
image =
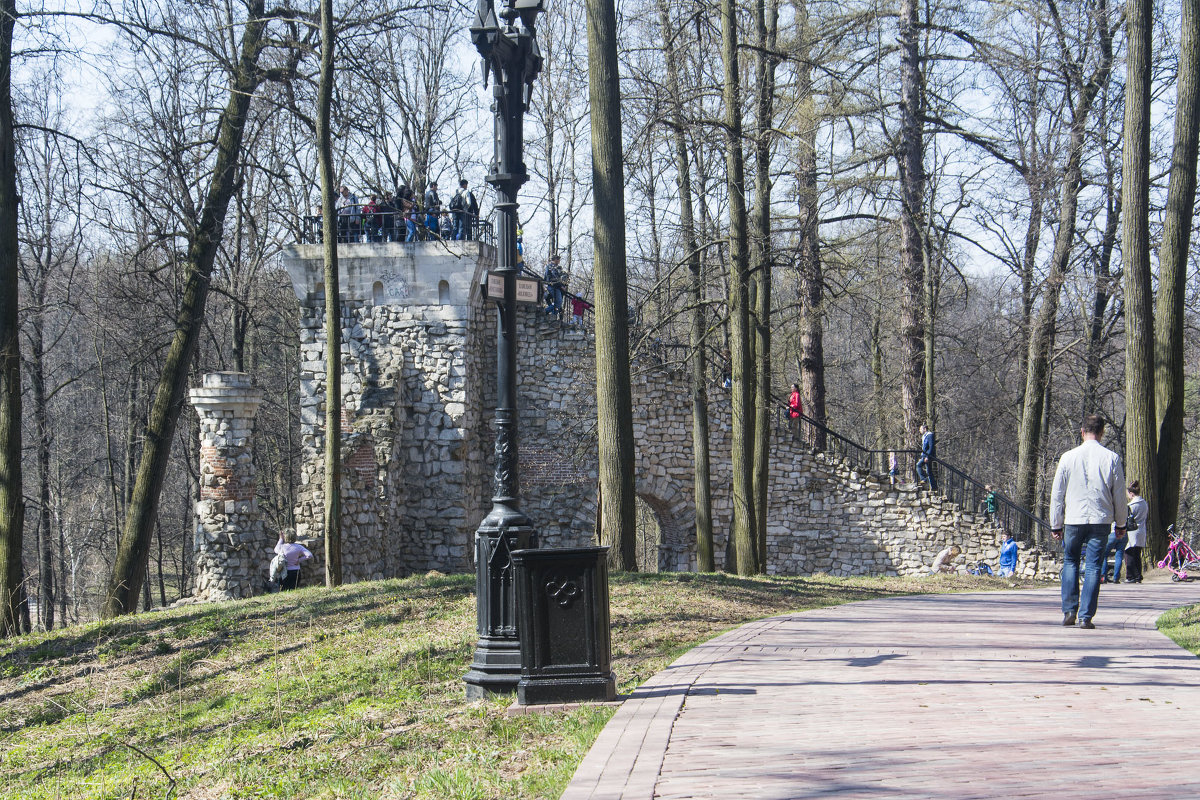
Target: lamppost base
pixel 496 669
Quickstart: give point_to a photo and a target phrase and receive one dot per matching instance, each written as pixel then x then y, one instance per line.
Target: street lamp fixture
pixel 511 62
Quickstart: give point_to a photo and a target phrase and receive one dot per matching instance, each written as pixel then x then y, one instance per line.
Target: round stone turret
pixel 232 550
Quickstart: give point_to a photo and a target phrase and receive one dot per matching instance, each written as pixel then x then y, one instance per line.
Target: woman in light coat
pixel 1139 510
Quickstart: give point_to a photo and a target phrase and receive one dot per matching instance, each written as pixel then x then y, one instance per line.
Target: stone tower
pixel 230 545
pixel 414 469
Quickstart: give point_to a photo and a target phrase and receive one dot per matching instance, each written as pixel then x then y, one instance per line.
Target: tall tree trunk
pixel 1172 260
pixel 1033 235
pixel 930 343
pixel 766 22
pixel 41 421
pixel 333 309
pixel 12 501
pixel 742 434
pixel 129 568
pixel 808 263
pixel 911 160
pixel 1141 429
pixel 1041 336
pixel 1102 292
pixel 614 404
pixel 701 486
pixel 877 387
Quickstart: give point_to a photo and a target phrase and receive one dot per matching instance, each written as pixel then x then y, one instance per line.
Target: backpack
pixel 457 203
pixel 278 569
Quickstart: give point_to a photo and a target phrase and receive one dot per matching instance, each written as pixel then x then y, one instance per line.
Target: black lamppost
pixel 511 60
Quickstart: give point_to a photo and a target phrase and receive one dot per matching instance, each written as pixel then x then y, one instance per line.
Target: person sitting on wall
pixel 945 560
pixel 296 554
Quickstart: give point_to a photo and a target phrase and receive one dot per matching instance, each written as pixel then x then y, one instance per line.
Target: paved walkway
pixel 939 696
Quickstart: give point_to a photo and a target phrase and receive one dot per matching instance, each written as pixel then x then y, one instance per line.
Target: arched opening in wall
pixel 443 293
pixel 377 293
pixel 649 536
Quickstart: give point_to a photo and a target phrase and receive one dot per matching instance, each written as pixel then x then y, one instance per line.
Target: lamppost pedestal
pixel 496 667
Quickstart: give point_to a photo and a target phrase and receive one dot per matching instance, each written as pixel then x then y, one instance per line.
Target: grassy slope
pixel 353 693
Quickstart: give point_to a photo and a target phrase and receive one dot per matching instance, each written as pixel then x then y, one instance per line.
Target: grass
pixel 352 693
pixel 1182 625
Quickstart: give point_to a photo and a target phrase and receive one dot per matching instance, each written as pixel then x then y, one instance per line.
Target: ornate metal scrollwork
pixel 563 590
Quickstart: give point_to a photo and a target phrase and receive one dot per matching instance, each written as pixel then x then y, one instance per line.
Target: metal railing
pixel 971 495
pixel 356 225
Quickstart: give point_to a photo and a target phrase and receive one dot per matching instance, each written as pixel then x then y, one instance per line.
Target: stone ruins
pixel 418 362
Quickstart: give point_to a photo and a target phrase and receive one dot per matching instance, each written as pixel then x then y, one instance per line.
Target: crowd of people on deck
pixel 401 216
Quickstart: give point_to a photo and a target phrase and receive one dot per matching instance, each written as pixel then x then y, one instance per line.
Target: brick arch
pixel 676 522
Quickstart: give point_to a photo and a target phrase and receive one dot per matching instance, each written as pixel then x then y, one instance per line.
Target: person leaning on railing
pixel 466 211
pixel 387 215
pixel 346 206
pixel 433 208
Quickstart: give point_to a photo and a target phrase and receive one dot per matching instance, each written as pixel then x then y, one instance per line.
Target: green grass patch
pixel 349 693
pixel 1182 625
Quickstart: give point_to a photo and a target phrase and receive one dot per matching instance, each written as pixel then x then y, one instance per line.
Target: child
pixel 1008 556
pixel 989 504
pixel 893 468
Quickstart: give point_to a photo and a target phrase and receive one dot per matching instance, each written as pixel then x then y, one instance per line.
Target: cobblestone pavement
pixel 937 696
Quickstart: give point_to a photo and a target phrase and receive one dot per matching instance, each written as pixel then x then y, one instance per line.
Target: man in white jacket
pixel 1088 497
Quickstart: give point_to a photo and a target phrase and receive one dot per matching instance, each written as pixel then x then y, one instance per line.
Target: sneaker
pixel 1068 620
pixel 1087 623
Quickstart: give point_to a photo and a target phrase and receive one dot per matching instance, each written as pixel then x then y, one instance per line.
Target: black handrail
pixel 956 485
pixel 972 495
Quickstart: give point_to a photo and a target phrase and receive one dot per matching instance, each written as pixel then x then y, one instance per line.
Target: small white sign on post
pixel 527 290
pixel 495 286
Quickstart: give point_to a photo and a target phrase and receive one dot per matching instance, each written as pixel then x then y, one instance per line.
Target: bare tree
pixel 1141 427
pixel 614 404
pixel 698 329
pixel 129 568
pixel 12 500
pixel 1082 91
pixel 1172 259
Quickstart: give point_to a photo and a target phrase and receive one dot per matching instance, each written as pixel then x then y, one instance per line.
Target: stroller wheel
pixel 1175 577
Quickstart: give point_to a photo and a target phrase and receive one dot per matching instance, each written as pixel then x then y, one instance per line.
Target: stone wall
pixel 412 480
pixel 824 517
pixel 419 390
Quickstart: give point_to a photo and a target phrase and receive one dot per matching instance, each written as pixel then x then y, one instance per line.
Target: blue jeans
pixel 1086 543
pixel 411 230
pixel 925 473
pixel 1114 544
pixel 460 225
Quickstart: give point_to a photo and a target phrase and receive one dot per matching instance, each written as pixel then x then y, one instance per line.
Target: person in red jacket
pixel 795 409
